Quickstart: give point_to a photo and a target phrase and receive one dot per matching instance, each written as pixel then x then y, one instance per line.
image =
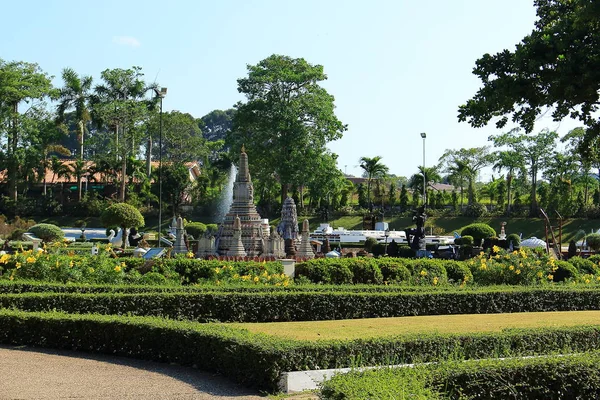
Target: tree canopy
pixel 555 66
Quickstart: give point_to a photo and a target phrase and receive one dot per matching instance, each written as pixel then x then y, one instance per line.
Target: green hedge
pixel 259 360
pixel 560 377
pixel 304 306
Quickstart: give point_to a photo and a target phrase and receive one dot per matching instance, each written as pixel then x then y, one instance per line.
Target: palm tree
pixel 511 161
pixel 75 94
pixel 416 181
pixel 373 170
pixel 469 161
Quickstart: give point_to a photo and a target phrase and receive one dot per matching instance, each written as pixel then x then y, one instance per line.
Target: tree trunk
pixel 123 178
pixel 508 192
pixel 79 180
pixel 12 172
pixel 149 157
pixel 533 201
pixel 284 191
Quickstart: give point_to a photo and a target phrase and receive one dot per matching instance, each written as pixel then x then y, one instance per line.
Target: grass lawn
pixel 377 327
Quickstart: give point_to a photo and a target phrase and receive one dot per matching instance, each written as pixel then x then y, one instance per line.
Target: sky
pixel 396 68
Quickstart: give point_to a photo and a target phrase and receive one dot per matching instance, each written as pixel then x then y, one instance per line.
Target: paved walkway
pixel 35 373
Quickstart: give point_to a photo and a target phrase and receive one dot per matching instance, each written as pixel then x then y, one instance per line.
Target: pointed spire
pixel 243 174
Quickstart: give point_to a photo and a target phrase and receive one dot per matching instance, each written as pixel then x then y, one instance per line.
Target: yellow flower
pixel 91 270
pixel 217 270
pixel 189 254
pixel 282 275
pixel 286 283
pixel 423 273
pixel 518 271
pixel 511 267
pixel 495 249
pixel 235 276
pixel 71 263
pixel 435 280
pixel 540 274
pixel 218 282
pixel 256 279
pixel 587 281
pixel 18 265
pixel 4 258
pixel 118 268
pixel 598 278
pixel 265 273
pixel 483 267
pixel 278 284
pixel 550 277
pixel 11 277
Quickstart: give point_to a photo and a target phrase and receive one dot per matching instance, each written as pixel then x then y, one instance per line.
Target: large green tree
pixel 511 161
pixel 555 66
pixel 287 120
pixel 21 84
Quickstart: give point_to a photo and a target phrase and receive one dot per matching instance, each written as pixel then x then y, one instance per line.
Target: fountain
pixel 226 197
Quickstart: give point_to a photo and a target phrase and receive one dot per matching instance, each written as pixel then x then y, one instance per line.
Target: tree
pixel 586 158
pixel 535 151
pixel 470 162
pixel 175 183
pixel 555 66
pixel 20 83
pixel 372 169
pixel 119 103
pixel 403 202
pixel 182 138
pixel 416 181
pixel 216 124
pixel 124 215
pixel 510 161
pixel 287 120
pixel 75 95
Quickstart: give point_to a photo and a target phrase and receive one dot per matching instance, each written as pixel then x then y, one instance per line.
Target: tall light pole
pixel 424 135
pixel 160 94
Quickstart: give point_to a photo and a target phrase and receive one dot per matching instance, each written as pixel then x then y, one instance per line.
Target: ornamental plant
pixel 123 215
pixel 479 231
pixel 47 232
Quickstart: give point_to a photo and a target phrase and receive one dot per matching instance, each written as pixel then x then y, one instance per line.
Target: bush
pixel 393 270
pixel 593 241
pixel 479 231
pixel 123 215
pixel 458 272
pixel 427 272
pixel 564 271
pixel 16 234
pixel 475 210
pixel 196 229
pixel 364 271
pixel 325 270
pixel 584 265
pixel 464 240
pixel 369 244
pixel 47 232
pixel 515 239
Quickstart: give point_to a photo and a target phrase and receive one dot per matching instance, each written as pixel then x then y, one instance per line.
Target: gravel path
pixel 35 373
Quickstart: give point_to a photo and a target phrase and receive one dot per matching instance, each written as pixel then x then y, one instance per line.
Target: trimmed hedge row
pixel 259 360
pixel 376 271
pixel 558 377
pixel 304 306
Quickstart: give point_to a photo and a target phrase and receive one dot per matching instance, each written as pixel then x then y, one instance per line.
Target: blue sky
pixel 396 68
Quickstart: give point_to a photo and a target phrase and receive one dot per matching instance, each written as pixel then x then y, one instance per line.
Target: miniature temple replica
pixel 288 227
pixel 253 231
pixel 305 250
pixel 179 247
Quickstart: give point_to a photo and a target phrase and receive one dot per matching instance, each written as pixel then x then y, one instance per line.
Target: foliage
pixel 393 270
pixel 123 215
pixel 475 210
pixel 369 244
pixel 287 108
pixel 47 232
pixel 196 229
pixel 593 241
pixel 479 231
pixel 514 238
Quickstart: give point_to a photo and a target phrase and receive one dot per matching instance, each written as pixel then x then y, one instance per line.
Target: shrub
pixel 466 240
pixel 196 229
pixel 584 265
pixel 212 228
pixel 458 272
pixel 47 232
pixel 593 241
pixel 325 270
pixel 427 272
pixel 515 239
pixel 17 234
pixel 369 244
pixel 393 270
pixel 479 231
pixel 475 210
pixel 564 271
pixel 364 271
pixel 123 215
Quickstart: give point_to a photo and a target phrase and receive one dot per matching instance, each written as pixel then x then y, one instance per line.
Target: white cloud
pixel 126 41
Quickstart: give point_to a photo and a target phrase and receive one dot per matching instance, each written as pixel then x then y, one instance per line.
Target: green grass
pixel 381 327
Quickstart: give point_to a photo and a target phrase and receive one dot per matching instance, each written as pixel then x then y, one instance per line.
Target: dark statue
pixel 416 236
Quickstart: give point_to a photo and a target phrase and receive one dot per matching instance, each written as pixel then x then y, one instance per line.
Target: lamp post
pixel 160 94
pixel 424 135
pixel 386 234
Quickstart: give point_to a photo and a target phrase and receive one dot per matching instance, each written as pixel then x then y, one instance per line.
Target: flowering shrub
pixel 519 267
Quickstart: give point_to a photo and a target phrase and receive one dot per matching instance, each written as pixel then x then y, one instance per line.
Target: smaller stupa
pixel 305 250
pixel 179 246
pixel 236 249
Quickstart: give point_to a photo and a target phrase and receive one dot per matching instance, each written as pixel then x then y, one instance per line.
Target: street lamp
pixel 386 234
pixel 424 135
pixel 160 94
